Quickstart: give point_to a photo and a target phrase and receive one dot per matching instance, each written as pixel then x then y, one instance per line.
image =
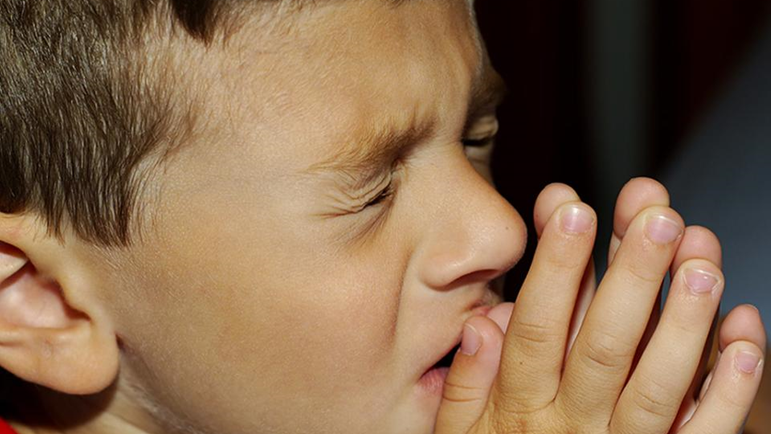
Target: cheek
pixel 332 315
pixel 254 339
pixel 330 318
pixel 255 318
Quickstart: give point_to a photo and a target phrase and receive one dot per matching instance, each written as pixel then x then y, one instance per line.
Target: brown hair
pixel 84 108
pixel 87 109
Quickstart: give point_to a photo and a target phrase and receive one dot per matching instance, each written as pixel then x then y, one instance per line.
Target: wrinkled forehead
pixel 341 68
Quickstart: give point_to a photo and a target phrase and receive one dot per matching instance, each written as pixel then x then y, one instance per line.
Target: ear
pixel 52 329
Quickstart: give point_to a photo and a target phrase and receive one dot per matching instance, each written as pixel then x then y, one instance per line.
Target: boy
pixel 222 217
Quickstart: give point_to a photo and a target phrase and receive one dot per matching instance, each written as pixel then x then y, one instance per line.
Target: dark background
pixel 605 90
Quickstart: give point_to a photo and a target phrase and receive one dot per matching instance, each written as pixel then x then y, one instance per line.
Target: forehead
pixel 342 69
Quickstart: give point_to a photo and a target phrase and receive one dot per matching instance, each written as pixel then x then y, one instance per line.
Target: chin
pixel 418 415
pixel 419 419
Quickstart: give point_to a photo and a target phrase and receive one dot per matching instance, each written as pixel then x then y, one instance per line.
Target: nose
pixel 472 233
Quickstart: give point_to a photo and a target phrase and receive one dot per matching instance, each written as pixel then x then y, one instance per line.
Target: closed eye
pixel 480 132
pixel 477 142
pixel 381 196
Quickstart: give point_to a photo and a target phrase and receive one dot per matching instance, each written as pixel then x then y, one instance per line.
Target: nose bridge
pixel 474 230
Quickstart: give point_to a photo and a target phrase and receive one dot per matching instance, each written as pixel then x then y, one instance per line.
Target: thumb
pixel 469 380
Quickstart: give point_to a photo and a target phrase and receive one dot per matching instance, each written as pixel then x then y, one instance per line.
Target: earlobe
pixel 43 339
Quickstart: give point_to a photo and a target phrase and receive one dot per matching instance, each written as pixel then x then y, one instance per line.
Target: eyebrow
pixel 360 162
pixel 488 90
pixel 364 161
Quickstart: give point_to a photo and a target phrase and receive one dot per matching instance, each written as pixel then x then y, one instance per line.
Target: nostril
pixel 474 277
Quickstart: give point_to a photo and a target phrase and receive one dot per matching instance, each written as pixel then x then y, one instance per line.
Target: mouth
pixel 433 380
pixel 447 359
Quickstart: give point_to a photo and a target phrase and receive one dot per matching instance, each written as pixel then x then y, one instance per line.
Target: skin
pixel 659 395
pixel 266 299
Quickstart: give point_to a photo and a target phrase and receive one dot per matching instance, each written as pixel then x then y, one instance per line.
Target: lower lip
pixel 482 310
pixel 433 380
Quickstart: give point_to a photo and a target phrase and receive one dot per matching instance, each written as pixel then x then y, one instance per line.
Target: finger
pixel 698 242
pixel 532 357
pixel 743 323
pixel 550 198
pixel 648 331
pixel 598 364
pixel 468 383
pixel 653 396
pixel 731 392
pixel 501 314
pixel 583 301
pixel 637 195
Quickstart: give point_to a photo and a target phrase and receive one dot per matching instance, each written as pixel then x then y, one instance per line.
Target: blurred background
pixel 605 90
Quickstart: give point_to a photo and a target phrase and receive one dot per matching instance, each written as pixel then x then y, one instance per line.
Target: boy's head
pixel 263 215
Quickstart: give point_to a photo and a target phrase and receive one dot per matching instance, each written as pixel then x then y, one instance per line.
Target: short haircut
pixel 88 106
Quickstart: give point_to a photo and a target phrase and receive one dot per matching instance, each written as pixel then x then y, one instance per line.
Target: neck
pixel 109 411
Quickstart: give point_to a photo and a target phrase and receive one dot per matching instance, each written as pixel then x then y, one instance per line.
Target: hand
pixel 564 359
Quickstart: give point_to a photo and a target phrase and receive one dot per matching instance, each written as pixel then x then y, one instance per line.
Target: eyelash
pixel 477 143
pixel 382 195
pixel 388 190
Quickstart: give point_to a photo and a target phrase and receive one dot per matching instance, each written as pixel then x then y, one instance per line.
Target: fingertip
pixel 482 341
pixel 743 323
pixel 729 398
pixel 501 314
pixel 485 328
pixel 646 186
pixel 471 340
pixel 477 360
pixel 698 242
pixel 471 375
pixel 635 196
pixel 550 198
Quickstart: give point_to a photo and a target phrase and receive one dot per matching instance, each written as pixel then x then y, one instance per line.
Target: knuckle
pixel 515 405
pixel 684 319
pixel 606 351
pixel 731 405
pixel 654 400
pixel 534 333
pixel 458 393
pixel 638 274
pixel 505 422
pixel 563 263
pixel 687 327
pixel 509 424
pixel 538 423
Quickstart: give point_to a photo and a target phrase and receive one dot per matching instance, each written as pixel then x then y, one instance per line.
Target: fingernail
pixel 700 281
pixel 576 220
pixel 747 362
pixel 662 230
pixel 471 341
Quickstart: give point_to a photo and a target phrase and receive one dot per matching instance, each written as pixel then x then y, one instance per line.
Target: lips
pixel 447 360
pixel 433 380
pixel 436 365
pixel 444 358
